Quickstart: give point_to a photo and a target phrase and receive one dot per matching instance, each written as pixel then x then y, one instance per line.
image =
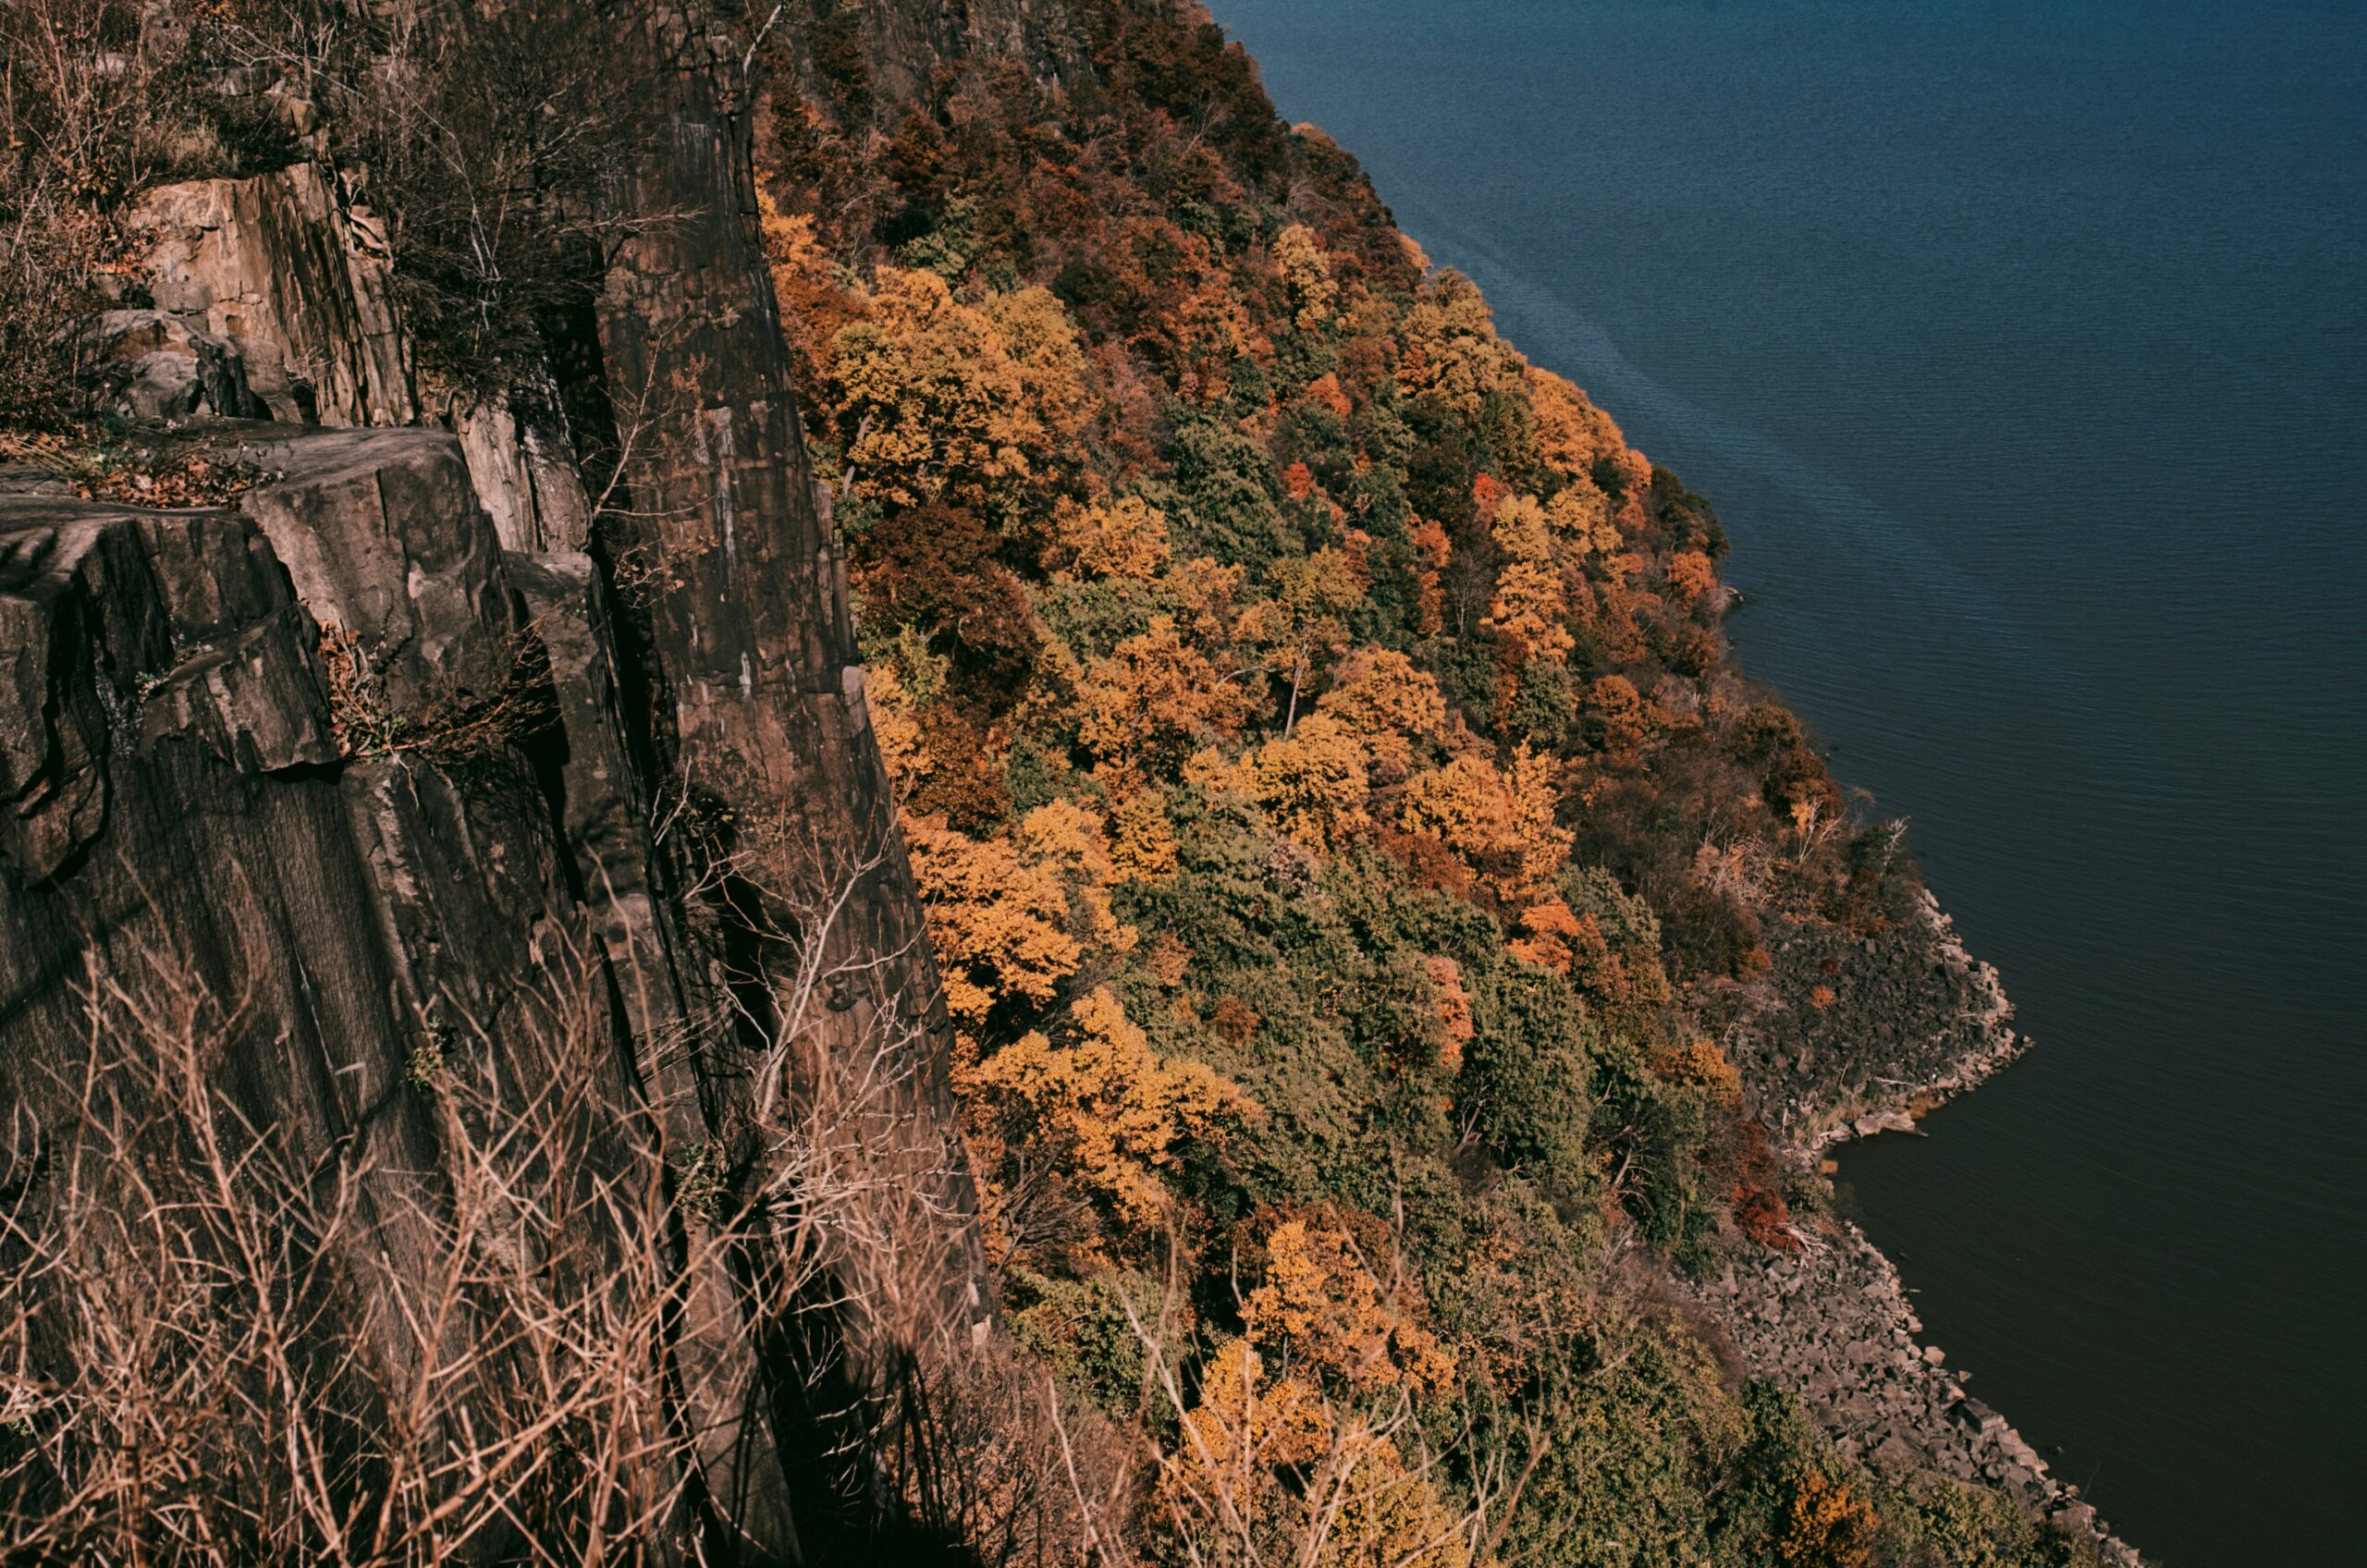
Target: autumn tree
pixel 1013 915
pixel 1102 1105
pixel 936 568
pixel 1388 703
pixel 1310 783
pixel 1322 1306
pixel 1155 699
pixel 978 404
pixel 1500 822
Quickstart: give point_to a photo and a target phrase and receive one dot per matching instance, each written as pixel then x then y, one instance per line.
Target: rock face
pixel 177 786
pixel 378 755
pixel 282 259
pixel 288 283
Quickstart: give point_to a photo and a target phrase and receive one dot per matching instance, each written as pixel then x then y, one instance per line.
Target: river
pixel 2023 348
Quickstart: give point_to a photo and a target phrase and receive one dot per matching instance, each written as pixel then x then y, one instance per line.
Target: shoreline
pixel 1833 1321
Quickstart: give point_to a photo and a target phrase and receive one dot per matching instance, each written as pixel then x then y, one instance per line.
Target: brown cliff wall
pixel 420 826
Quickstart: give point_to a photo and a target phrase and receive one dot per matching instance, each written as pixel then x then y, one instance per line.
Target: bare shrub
pixel 221 1345
pixel 494 140
pixel 485 1327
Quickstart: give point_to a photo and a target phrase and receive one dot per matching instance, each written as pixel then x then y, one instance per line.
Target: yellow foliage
pixel 1311 784
pixel 1105 1105
pixel 1307 277
pixel 1142 843
pixel 1206 591
pixel 1357 1506
pixel 1125 538
pixel 1385 701
pixel 1387 1515
pixel 1521 530
pixel 1580 516
pixel 983 405
pixel 1500 824
pixel 1240 1426
pixel 1529 605
pixel 1322 1305
pixel 1449 348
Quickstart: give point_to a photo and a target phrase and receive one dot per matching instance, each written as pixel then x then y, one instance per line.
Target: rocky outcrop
pixel 1871 1029
pixel 286 266
pixel 1834 1323
pixel 183 784
pixel 153 365
pixel 279 291
pixel 1855 1036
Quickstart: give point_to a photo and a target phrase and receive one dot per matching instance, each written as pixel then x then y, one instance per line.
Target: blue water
pixel 2023 348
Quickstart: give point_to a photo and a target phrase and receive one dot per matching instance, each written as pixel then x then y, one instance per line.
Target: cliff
pixel 356 829
pixel 788 781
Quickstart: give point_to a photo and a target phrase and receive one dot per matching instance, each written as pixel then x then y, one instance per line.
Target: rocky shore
pixel 1857 1038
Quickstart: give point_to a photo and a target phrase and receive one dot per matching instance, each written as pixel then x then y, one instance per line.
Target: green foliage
pixel 1525 1075
pixel 1083 1331
pixel 1227 495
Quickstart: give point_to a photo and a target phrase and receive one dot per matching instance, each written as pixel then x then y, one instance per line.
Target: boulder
pixel 285 259
pixel 151 364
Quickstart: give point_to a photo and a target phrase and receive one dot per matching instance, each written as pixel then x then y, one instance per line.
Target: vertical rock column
pixel 758 716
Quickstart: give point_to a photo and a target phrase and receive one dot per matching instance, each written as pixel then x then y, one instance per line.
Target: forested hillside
pixel 1345 837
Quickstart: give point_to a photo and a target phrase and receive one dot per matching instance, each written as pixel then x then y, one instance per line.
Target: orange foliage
pixel 1500 824
pixel 1828 1526
pixel 1324 393
pixel 1233 1022
pixel 1572 434
pixel 1387 703
pixel 1690 575
pixel 1621 719
pixel 1431 548
pixel 1455 1025
pixel 1702 1064
pixel 1322 1305
pixel 1156 699
pixel 1011 917
pixel 1109 1108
